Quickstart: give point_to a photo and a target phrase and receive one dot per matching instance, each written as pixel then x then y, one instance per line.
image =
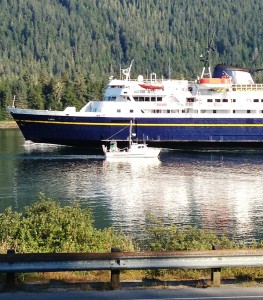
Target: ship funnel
pixel 238 75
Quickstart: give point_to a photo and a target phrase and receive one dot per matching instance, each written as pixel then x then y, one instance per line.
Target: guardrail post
pixel 115 274
pixel 10 277
pixel 216 276
pixel 216 272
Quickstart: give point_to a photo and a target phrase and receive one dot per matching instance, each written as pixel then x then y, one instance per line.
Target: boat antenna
pixel 169 70
pixel 130 134
pixel 14 100
pixel 206 72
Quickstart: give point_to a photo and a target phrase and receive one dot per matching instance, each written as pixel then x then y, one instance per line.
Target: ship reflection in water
pixel 191 189
pixel 221 191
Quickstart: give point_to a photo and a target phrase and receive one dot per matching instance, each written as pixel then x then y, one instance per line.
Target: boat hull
pixel 150 153
pixel 159 132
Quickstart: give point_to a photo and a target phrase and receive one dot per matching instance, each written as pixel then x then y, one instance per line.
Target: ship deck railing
pixel 247 87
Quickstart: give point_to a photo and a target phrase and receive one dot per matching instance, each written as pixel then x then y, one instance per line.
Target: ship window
pixel 159 98
pixel 217 100
pixel 118 110
pixel 233 100
pixel 243 111
pixel 175 111
pixel 207 111
pixel 147 99
pixel 131 110
pixel 141 99
pixel 256 100
pixel 261 100
pixel 152 98
pixel 225 100
pixel 135 98
pixel 209 100
pixel 214 111
pixel 190 99
pixel 234 111
pixel 190 110
pixel 117 86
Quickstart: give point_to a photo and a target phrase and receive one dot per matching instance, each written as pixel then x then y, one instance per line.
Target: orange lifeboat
pixel 151 87
pixel 222 80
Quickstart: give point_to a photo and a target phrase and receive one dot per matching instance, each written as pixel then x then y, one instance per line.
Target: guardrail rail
pixel 116 261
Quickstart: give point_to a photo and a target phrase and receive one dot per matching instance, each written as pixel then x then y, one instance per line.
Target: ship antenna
pixel 127 72
pixel 206 72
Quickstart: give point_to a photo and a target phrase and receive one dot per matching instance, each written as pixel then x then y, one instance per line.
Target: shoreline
pixel 8 124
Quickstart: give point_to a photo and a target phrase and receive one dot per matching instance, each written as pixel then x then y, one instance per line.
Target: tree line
pixel 49 93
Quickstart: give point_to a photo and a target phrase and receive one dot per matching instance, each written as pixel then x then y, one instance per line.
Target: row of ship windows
pixel 140 99
pixel 232 100
pixel 147 99
pixel 195 111
pixel 189 99
pixel 154 99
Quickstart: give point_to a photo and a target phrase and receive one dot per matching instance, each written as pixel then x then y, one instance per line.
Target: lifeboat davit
pixel 151 87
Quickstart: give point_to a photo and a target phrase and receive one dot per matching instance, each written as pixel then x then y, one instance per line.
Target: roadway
pixel 179 293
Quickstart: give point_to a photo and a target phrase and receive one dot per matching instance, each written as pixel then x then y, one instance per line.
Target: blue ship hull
pixel 159 132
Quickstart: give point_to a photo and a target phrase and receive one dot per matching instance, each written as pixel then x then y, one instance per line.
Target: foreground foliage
pixel 164 235
pixel 47 227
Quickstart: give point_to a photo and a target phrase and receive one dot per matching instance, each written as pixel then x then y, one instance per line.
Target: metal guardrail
pixel 117 261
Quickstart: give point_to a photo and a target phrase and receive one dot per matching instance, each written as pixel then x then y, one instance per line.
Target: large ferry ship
pixel 219 110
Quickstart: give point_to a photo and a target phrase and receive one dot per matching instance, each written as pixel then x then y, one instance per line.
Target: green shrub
pixel 9 225
pixel 46 226
pixel 162 235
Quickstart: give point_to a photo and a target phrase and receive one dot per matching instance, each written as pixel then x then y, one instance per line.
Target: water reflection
pixel 221 191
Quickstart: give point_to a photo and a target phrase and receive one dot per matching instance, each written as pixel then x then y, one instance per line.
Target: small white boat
pixel 134 150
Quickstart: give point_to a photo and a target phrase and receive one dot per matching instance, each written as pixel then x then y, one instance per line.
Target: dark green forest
pixel 56 53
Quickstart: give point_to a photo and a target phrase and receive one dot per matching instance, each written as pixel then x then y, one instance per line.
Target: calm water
pixel 222 191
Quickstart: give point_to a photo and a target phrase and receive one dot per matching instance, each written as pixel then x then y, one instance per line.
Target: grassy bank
pixel 8 124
